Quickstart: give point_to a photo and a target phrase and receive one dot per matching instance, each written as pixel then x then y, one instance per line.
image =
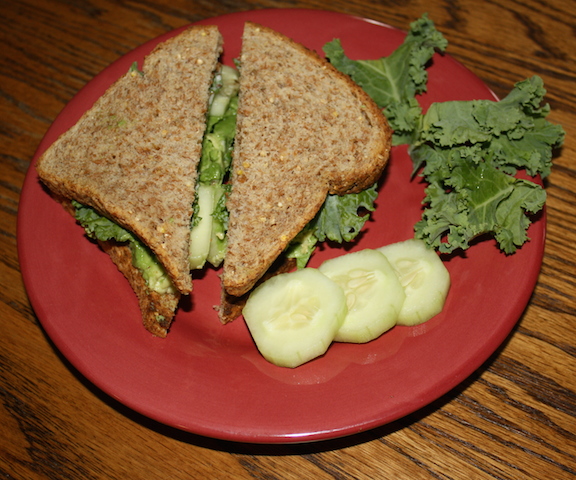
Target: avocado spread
pixel 101 228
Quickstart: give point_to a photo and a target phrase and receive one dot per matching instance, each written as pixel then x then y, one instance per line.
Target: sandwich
pixel 139 173
pixel 304 131
pixel 131 162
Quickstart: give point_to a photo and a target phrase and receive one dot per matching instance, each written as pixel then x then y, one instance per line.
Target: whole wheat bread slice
pixel 304 130
pixel 133 156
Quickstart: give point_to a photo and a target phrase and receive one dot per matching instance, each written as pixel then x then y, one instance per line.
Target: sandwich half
pixel 304 131
pixel 131 162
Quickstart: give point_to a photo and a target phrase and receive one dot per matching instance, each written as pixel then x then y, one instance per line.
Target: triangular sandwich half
pixel 133 158
pixel 304 130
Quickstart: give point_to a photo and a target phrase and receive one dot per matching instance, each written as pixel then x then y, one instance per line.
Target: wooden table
pixel 514 418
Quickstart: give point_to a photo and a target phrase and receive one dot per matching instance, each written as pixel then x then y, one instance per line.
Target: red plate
pixel 209 379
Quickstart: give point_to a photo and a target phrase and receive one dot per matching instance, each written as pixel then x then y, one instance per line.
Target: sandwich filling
pixel 101 228
pixel 210 219
pixel 340 219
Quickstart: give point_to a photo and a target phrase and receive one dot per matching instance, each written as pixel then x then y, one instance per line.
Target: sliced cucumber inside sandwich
pixel 210 219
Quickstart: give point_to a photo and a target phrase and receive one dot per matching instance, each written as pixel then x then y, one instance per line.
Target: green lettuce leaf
pixel 99 227
pixel 102 228
pixel 340 220
pixel 469 153
pixel 394 81
pixel 302 246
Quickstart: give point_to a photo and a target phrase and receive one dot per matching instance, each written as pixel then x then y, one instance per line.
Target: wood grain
pixel 514 418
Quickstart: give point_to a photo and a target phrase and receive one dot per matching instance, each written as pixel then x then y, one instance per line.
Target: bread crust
pixel 304 130
pixel 157 309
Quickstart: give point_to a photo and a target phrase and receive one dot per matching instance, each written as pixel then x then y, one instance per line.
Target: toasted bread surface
pixel 133 156
pixel 304 130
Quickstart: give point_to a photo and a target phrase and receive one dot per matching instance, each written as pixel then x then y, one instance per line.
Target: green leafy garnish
pixel 478 199
pixel 468 152
pixel 394 81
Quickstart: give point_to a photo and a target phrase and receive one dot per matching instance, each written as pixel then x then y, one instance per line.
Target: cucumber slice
pixel 374 294
pixel 423 276
pixel 293 317
pixel 228 77
pixel 201 234
pixel 218 239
